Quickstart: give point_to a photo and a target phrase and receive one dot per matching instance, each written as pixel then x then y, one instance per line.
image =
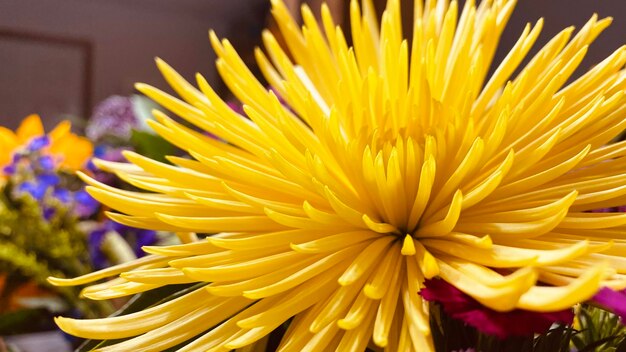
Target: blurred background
pixel 59 58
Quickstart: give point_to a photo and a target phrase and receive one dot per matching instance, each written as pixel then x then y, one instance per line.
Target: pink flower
pixel 517 322
pixel 614 301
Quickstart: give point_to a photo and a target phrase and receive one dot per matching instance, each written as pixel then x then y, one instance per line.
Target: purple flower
pixel 143 238
pixel 36 190
pixel 85 205
pixel 48 180
pixel 12 168
pixel 9 169
pixel 517 322
pixel 108 153
pixel 114 154
pixel 95 239
pixel 91 166
pixel 136 238
pixel 38 143
pixel 48 213
pixel 614 301
pixel 63 195
pixel 47 162
pixel 114 116
pixel 100 151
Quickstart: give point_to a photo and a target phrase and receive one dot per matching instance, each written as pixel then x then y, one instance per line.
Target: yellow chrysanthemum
pixel 396 161
pixel 72 150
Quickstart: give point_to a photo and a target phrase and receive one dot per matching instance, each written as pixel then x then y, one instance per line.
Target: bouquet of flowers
pixel 43 207
pixel 49 224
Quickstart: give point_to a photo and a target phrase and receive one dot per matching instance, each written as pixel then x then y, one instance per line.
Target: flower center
pixel 392 178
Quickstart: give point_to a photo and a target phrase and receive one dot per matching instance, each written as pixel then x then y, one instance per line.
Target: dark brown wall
pixel 559 14
pixel 125 36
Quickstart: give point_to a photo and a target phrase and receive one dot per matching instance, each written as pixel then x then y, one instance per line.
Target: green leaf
pixel 152 146
pixel 600 330
pixel 556 339
pixel 621 347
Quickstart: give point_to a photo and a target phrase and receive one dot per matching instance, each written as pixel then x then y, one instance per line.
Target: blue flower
pixel 135 237
pixel 48 180
pixel 99 151
pixel 36 190
pixel 144 238
pixel 95 239
pixel 16 158
pixel 9 169
pixel 62 195
pixel 48 213
pixel 85 205
pixel 38 143
pixel 46 162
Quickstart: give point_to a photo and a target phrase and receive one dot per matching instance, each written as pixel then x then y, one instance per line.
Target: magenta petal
pixel 517 322
pixel 615 301
pixel 442 292
pixel 514 323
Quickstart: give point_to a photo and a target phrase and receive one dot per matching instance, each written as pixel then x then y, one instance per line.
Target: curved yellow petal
pixel 550 299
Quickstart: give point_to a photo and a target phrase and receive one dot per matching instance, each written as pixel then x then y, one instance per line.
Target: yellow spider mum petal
pixel 390 162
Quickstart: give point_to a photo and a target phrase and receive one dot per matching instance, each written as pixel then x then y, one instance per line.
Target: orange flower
pixel 72 150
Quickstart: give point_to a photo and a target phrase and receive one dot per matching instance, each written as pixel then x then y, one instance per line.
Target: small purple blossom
pixel 100 151
pixel 48 180
pixel 16 158
pixel 517 322
pixel 12 168
pixel 98 259
pixel 36 190
pixel 9 169
pixel 48 213
pixel 136 238
pixel 85 205
pixel 38 143
pixel 47 162
pixel 143 238
pixel 91 166
pixel 63 195
pixel 108 153
pixel 113 154
pixel 114 116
